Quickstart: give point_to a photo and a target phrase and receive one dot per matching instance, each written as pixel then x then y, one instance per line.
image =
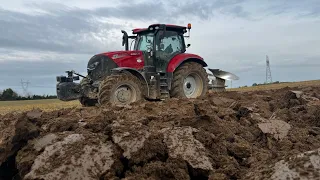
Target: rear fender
pixel 179 60
pixel 133 72
pixel 183 58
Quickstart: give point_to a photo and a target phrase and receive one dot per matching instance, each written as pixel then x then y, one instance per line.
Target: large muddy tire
pixel 120 89
pixel 189 81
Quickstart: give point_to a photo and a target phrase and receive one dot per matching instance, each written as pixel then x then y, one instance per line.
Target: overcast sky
pixel 41 39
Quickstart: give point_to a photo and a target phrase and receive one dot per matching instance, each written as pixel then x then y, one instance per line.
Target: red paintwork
pixel 178 59
pixel 135 31
pixel 127 58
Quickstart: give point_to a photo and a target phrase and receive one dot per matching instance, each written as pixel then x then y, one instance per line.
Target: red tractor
pixel 157 68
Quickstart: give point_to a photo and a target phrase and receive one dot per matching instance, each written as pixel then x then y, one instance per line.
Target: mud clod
pixel 15 133
pixel 76 156
pixel 182 144
pixel 230 135
pixel 279 129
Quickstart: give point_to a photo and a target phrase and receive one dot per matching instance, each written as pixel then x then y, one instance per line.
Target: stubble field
pixel 310 83
pixel 45 105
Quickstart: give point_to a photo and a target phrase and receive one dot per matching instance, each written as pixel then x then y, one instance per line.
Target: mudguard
pixel 185 57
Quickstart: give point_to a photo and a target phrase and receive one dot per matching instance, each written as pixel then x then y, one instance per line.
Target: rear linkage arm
pixel 71 78
pixel 70 74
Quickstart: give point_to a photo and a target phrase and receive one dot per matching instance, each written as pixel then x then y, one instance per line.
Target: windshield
pixel 145 42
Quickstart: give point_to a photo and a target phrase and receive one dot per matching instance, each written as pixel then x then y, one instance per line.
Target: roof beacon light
pixel 189 25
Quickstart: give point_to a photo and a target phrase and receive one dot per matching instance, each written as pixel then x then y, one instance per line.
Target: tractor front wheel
pixel 120 89
pixel 189 81
pixel 87 102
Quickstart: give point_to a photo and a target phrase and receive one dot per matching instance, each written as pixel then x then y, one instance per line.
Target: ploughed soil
pixel 229 135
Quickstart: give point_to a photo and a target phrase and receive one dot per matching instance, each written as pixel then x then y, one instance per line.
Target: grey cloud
pixel 239 12
pixel 301 9
pixel 204 10
pixel 65 29
pixel 169 10
pixel 62 32
pixel 153 10
pixel 141 11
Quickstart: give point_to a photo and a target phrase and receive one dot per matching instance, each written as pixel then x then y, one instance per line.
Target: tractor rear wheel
pixel 189 81
pixel 120 89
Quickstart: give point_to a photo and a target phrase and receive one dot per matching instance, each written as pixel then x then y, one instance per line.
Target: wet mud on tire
pixel 114 89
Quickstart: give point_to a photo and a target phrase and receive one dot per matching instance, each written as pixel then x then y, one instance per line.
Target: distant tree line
pixel 255 84
pixel 11 95
pixel 261 84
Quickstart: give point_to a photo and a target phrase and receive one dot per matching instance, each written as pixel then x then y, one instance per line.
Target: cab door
pixel 168 45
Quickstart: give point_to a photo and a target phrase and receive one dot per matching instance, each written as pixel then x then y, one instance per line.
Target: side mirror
pixel 188 45
pixel 125 41
pixel 123 37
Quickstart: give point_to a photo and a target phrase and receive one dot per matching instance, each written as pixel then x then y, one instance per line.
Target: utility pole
pixel 268 71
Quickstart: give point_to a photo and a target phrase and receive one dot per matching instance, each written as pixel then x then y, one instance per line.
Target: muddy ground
pixel 231 135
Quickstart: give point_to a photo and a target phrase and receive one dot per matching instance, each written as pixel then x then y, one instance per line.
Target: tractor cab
pixel 159 43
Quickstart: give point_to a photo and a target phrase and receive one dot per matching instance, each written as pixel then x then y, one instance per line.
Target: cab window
pixel 171 42
pixel 145 42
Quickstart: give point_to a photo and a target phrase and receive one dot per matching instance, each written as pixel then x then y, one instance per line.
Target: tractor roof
pixel 168 26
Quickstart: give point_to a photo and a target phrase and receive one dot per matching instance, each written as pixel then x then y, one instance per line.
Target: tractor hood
pixel 132 59
pixel 100 65
pixel 119 54
pixel 126 57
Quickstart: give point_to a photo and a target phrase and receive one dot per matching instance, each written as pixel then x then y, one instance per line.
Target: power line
pixel 268 71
